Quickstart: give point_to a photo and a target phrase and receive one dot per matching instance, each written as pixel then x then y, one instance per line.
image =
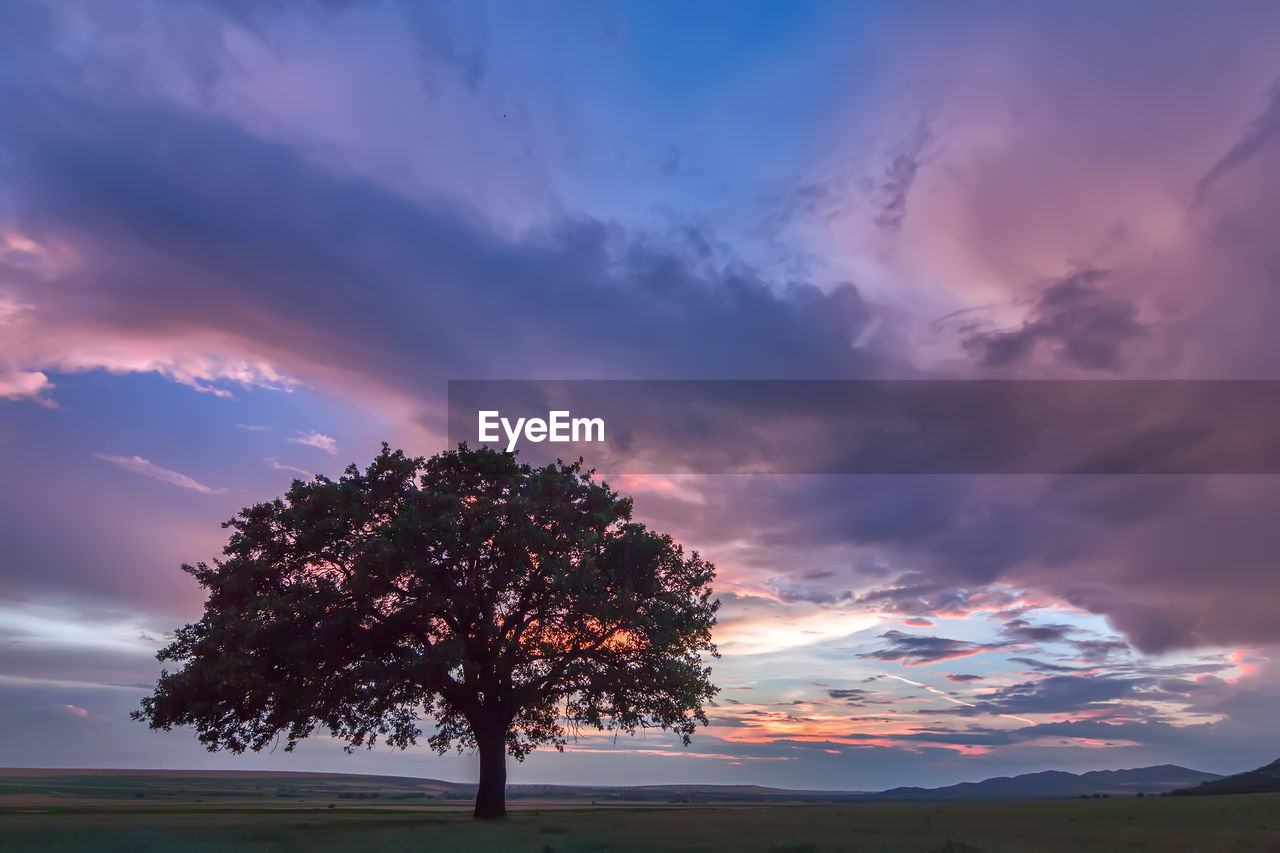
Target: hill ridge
pixel 1264 779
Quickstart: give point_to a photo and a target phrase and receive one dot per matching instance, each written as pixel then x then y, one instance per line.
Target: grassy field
pixel 1228 823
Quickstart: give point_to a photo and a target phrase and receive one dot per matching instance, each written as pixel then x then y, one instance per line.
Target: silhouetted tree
pixel 511 604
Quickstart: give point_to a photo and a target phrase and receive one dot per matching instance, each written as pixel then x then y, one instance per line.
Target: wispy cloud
pixel 147 468
pixel 1262 132
pixel 317 440
pixel 254 427
pixel 280 466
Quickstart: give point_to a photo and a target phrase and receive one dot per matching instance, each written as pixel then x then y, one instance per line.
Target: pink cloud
pixel 147 468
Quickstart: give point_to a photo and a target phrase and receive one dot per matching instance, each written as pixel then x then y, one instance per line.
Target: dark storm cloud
pixel 918 650
pixel 1152 732
pixel 1021 630
pixel 969 736
pixel 1124 666
pixel 1184 670
pixel 1055 694
pixel 1097 651
pixel 1195 567
pixel 1087 326
pixel 1116 501
pixel 918 598
pixel 1045 666
pixel 185 217
pixel 791 592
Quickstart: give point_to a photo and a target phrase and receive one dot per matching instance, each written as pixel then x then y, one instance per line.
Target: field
pixel 192 813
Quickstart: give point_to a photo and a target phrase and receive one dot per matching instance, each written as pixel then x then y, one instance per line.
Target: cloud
pixel 317 440
pixel 1174 562
pixel 895 185
pixel 853 696
pixel 74 711
pixel 138 465
pixel 19 384
pixel 1055 694
pixel 1083 325
pixel 787 590
pixel 1044 666
pixel 247 241
pixel 1023 631
pixel 1099 650
pixel 1263 131
pixel 278 466
pixel 919 651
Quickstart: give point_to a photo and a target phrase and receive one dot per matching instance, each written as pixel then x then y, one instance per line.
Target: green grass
pixel 1228 823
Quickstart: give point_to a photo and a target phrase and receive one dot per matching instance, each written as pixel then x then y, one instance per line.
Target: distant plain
pixel 110 811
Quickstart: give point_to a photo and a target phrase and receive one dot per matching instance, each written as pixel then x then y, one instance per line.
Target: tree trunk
pixel 491 796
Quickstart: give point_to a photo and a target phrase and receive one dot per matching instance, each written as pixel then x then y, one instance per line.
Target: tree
pixel 511 604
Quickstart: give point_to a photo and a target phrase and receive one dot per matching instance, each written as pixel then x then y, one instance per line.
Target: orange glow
pixel 591 633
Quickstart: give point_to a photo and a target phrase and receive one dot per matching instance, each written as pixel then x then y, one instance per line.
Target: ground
pixel 1227 823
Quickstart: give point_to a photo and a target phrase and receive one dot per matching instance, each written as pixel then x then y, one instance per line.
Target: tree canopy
pixel 511 605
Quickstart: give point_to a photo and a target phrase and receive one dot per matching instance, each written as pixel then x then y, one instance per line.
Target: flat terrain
pixel 38 822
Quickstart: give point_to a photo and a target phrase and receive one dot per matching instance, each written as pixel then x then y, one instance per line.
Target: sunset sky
pixel 243 242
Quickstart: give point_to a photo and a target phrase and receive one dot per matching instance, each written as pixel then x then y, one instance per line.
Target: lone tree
pixel 514 605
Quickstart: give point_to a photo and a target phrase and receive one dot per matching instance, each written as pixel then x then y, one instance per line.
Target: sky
pixel 246 242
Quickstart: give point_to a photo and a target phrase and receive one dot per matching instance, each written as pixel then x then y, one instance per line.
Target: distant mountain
pixel 1263 780
pixel 1058 783
pixel 214 785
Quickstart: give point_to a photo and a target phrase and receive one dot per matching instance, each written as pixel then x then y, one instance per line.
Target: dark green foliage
pixel 510 604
